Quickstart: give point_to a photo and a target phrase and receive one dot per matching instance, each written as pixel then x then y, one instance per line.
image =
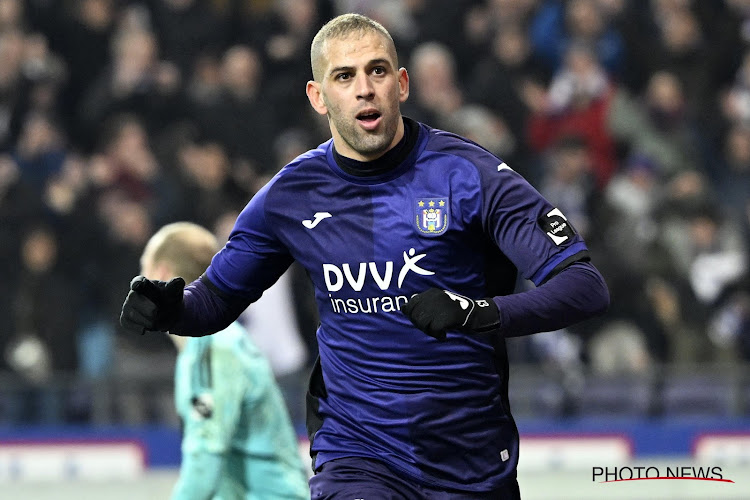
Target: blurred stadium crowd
pixel 118 116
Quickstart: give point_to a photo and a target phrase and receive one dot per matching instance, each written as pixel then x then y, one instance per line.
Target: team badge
pixel 432 215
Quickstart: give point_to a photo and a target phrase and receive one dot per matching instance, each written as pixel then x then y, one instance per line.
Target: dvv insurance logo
pixel 663 473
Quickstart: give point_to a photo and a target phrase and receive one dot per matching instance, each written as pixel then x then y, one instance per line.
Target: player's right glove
pixel 152 305
pixel 436 311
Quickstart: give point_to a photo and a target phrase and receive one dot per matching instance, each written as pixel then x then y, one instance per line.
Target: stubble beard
pixel 365 143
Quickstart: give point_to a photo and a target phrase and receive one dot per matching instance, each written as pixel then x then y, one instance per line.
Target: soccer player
pixel 413 238
pixel 238 441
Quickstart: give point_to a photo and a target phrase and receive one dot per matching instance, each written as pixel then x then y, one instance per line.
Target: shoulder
pixel 298 175
pixel 234 338
pixel 304 162
pixel 292 178
pixel 459 150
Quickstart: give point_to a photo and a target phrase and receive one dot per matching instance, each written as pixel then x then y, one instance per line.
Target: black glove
pixel 436 311
pixel 152 305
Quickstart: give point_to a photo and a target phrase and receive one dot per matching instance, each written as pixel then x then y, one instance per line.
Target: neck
pixel 385 162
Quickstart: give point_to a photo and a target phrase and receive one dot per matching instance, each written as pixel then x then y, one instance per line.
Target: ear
pixel 403 85
pixel 315 96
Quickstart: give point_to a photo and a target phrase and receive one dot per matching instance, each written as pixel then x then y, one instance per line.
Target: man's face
pixel 360 91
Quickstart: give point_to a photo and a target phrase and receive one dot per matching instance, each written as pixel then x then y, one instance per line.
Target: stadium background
pixel 633 117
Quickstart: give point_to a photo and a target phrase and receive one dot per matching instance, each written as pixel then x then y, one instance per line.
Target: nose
pixel 365 89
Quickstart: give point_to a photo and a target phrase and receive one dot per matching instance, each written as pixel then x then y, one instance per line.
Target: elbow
pixel 599 298
pixel 602 301
pixel 594 298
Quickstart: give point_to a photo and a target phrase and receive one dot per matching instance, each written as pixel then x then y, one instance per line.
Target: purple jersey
pixel 451 216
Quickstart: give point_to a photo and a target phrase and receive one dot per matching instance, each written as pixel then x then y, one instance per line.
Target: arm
pixel 577 293
pixel 211 423
pixel 250 262
pixel 199 476
pixel 206 309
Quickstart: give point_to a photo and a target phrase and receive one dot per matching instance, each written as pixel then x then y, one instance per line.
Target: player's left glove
pixel 436 311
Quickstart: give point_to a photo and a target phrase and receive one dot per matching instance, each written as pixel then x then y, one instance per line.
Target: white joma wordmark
pixel 319 216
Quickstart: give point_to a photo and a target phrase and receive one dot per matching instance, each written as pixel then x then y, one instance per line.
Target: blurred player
pixel 238 441
pixel 412 237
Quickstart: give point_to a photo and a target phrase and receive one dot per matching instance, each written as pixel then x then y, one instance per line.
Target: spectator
pixel 681 49
pixel 733 175
pixel 568 181
pixel 186 29
pixel 736 102
pixel 505 81
pixel 577 103
pixel 43 322
pixel 705 252
pixel 11 85
pixel 240 110
pixel 429 17
pixel 632 257
pixel 41 152
pixel 656 125
pixel 136 82
pixel 438 93
pixel 559 24
pixel 480 125
pixel 82 35
pixel 633 197
pixel 19 209
pixel 207 183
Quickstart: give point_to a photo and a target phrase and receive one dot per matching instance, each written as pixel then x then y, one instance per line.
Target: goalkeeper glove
pixel 436 311
pixel 152 305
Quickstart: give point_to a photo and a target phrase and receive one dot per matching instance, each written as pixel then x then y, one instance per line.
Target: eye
pixel 343 76
pixel 378 70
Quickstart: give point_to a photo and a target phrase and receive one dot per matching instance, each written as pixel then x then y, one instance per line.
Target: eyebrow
pixel 369 63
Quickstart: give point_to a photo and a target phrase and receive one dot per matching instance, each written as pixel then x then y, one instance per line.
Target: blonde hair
pixel 341 27
pixel 186 247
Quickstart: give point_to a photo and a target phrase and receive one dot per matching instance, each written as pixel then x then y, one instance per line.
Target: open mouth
pixel 368 117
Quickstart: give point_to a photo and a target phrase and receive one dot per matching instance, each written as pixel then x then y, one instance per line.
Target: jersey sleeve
pixel 217 402
pixel 200 476
pixel 532 233
pixel 253 258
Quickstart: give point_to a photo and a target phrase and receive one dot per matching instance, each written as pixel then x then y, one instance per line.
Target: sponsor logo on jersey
pixel 336 276
pixel 382 274
pixel 432 215
pixel 557 227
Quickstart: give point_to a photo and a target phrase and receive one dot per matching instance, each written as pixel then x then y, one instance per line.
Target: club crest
pixel 432 215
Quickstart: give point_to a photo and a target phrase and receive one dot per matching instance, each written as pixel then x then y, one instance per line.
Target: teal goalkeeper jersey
pixel 231 406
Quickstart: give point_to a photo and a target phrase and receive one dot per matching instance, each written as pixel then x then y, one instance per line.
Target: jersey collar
pixel 389 166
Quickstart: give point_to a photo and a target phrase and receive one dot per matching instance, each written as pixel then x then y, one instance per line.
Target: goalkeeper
pixel 238 440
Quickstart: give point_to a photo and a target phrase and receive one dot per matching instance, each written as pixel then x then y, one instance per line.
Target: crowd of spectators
pixel 118 116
